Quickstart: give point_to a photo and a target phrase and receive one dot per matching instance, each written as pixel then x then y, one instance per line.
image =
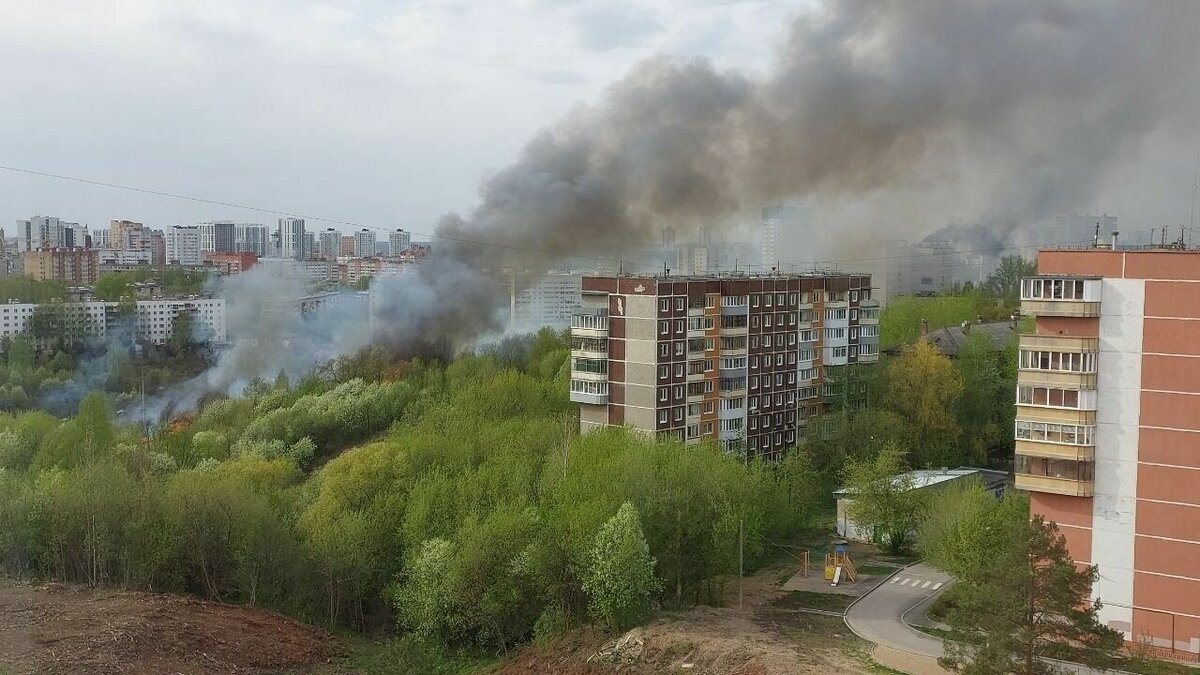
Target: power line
pixel 513 247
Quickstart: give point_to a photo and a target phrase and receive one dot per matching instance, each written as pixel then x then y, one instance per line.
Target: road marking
pixel 894 580
pixel 905 582
pixel 926 584
pixel 937 585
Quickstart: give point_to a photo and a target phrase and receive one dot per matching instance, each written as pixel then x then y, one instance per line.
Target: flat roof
pixel 923 478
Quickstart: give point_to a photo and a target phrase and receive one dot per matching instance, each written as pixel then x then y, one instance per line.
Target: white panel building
pixel 183 245
pixel 398 242
pixel 155 318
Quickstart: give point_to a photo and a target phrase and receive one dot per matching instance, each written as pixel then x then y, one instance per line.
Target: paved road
pixel 879 616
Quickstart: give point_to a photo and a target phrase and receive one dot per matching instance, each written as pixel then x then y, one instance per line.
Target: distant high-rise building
pixel 783 236
pixel 398 242
pixel 347 248
pixel 330 245
pixel 364 243
pixel 41 232
pixel 292 239
pixel 183 245
pixel 126 235
pixel 73 266
pixel 158 248
pixel 251 238
pixel 550 300
pixel 218 236
pixel 310 245
pixel 921 268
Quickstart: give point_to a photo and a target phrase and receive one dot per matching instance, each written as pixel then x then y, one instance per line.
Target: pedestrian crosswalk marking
pixel 937 585
pixel 926 584
pixel 894 580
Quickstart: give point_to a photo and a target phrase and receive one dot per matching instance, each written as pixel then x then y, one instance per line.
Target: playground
pixel 838 567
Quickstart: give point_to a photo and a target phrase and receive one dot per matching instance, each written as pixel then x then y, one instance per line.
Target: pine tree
pixel 1027 601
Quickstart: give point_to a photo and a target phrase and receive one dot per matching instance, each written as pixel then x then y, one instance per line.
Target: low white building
pixel 923 479
pixel 155 320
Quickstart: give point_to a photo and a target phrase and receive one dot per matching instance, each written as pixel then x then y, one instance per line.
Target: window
pixel 1065 434
pixel 754 363
pixel 808 335
pixel 778 360
pixel 779 299
pixel 868 349
pixel 710 300
pixel 791 379
pixel 664 327
pixel 1055 468
pixel 664 349
pixel 662 416
pixel 754 382
pixel 678 370
pixel 663 394
pixel 679 325
pixel 766 341
pixel 778 383
pixel 791 339
pixel 679 304
pixel 664 305
pixel 1056 398
pixel 766 299
pixel 754 321
pixel 679 414
pixel 854 315
pixel 708 386
pixel 753 342
pixel 753 423
pixel 679 348
pixel 853 296
pixel 853 334
pixel 853 351
pixel 793 299
pixel 791 358
pixel 1072 362
pixel 754 300
pixel 835 333
pixel 767 320
pixel 808 374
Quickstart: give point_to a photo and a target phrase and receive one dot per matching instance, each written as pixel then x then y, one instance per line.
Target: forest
pixel 451 502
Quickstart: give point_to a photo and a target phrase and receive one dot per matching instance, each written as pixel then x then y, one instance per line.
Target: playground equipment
pixel 838 566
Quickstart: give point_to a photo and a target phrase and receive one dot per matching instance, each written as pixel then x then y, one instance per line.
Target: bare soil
pixel 765 637
pixel 56 628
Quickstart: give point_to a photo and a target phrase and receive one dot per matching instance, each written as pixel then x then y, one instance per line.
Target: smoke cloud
pixel 895 117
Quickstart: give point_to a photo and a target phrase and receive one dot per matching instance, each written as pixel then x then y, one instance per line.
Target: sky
pixel 387 114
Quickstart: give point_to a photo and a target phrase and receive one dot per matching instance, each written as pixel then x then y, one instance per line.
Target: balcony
pixel 1062 343
pixel 1074 453
pixel 589 392
pixel 868 318
pixel 1034 413
pixel 1058 486
pixel 869 302
pixel 868 358
pixel 1060 380
pixel 1060 296
pixel 589 325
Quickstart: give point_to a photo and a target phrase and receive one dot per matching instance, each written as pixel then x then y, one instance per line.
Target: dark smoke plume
pixel 1003 111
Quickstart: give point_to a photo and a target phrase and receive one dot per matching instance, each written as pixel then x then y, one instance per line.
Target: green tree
pixel 985 408
pixel 1019 596
pixel 180 342
pixel 20 354
pixel 1005 282
pixel 620 575
pixel 885 499
pixel 95 420
pixel 923 389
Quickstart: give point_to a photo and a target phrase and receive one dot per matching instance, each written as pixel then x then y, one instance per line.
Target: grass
pixel 409 655
pixel 829 602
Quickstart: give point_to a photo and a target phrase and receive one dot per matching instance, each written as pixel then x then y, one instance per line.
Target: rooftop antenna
pixel 1096 237
pixel 1195 187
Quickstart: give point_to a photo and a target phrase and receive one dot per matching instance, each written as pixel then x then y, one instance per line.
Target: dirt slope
pixel 55 628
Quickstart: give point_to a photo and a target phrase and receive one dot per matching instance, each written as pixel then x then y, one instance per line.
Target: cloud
pixel 606 27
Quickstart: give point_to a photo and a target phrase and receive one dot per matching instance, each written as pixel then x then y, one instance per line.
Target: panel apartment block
pixel 1108 430
pixel 736 360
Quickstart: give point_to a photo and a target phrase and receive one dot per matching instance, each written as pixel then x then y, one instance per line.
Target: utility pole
pixel 741 528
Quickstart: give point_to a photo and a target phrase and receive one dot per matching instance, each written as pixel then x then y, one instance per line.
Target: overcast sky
pixel 384 113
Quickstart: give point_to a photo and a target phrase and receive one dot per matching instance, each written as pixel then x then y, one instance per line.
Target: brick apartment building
pixel 1108 429
pixel 740 360
pixel 70 265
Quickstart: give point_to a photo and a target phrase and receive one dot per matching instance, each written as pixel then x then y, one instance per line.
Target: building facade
pixel 218 236
pixel 784 236
pixel 70 265
pixel 364 243
pixel 1108 429
pixel 736 360
pixel 398 242
pixel 549 300
pixel 292 239
pixel 230 263
pixel 183 245
pixel 154 323
pixel 127 235
pixel 45 232
pixel 251 238
pixel 330 244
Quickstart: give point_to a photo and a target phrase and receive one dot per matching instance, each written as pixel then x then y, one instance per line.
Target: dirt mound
pixel 55 628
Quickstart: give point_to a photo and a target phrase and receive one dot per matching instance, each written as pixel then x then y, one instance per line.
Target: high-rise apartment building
pixel 183 245
pixel 1108 429
pixel 784 236
pixel 292 239
pixel 347 247
pixel 737 360
pixel 70 265
pixel 218 236
pixel 364 243
pixel 126 235
pixel 548 300
pixel 251 238
pixel 330 244
pixel 398 242
pixel 43 232
pixel 158 248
